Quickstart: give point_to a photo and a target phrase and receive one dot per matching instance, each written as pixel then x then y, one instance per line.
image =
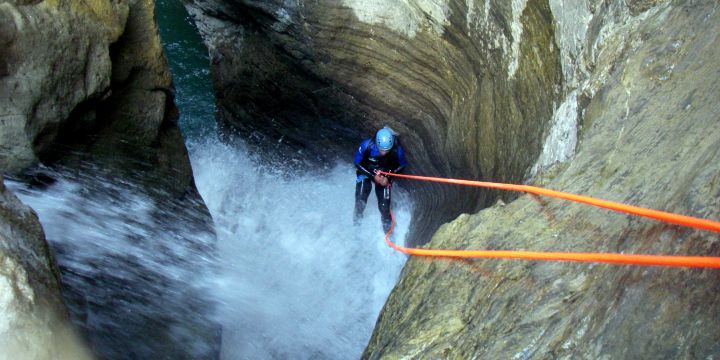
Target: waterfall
pixel 298 279
pixel 136 269
pixel 290 274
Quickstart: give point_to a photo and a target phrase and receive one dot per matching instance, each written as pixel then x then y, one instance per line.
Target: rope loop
pixel 626 259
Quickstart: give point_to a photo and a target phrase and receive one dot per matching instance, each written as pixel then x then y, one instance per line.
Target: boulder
pixel 102 86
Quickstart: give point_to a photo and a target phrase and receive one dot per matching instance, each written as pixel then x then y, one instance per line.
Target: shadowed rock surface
pixel 463 88
pixel 624 94
pixel 86 82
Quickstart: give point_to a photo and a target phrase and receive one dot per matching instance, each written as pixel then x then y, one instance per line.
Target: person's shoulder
pixel 364 145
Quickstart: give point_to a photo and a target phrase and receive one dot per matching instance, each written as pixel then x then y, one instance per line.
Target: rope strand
pixel 626 259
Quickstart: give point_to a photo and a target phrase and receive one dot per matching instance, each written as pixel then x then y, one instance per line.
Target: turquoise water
pixel 189 64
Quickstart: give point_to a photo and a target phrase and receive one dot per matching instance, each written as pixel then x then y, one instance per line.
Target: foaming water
pixel 298 279
pixel 135 272
pixel 286 275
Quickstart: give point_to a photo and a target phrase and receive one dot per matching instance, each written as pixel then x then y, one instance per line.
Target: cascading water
pixel 289 276
pixel 136 269
pixel 298 280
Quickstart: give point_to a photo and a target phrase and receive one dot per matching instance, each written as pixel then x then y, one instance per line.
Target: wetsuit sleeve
pixel 359 155
pixel 401 160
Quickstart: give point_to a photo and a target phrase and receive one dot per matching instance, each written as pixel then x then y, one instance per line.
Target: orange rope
pixel 683 220
pixel 628 259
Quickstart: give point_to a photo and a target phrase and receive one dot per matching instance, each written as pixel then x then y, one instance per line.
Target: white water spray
pixel 299 280
pixel 135 274
pixel 293 277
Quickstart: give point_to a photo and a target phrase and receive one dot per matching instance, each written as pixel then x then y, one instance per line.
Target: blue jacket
pixel 368 159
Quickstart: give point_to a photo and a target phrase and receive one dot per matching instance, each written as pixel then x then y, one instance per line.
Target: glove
pixel 381 180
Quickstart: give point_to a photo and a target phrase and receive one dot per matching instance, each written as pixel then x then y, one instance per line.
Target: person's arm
pixel 359 155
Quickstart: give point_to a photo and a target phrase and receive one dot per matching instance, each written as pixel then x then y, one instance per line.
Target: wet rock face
pixel 463 82
pixel 649 137
pixel 33 323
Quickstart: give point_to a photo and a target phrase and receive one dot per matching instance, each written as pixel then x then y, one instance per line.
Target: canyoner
pixel 374 159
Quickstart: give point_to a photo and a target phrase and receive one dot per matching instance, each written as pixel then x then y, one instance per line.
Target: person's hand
pixel 381 180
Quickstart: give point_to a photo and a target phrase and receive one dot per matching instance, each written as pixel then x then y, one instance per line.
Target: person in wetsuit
pixel 383 153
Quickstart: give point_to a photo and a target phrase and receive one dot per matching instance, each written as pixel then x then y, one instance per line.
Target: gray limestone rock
pixel 44 81
pixel 33 321
pixel 650 138
pixel 101 86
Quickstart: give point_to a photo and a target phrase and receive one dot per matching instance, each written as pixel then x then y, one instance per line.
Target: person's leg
pixel 362 191
pixel 384 196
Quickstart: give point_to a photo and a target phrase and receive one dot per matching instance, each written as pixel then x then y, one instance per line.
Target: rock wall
pixel 649 136
pixel 462 83
pixel 83 81
pixel 33 321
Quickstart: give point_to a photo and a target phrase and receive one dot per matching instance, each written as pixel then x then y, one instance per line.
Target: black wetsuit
pixel 367 161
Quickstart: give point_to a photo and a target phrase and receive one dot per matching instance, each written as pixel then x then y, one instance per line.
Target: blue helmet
pixel 384 139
